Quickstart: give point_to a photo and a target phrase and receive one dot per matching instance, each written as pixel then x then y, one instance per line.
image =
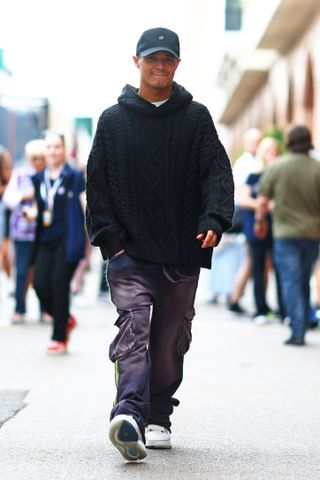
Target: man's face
pixel 157 70
pixel 38 161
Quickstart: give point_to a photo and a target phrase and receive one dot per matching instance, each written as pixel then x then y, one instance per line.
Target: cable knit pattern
pixel 156 177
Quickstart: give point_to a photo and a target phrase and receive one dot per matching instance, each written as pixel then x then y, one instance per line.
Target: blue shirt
pixel 249 215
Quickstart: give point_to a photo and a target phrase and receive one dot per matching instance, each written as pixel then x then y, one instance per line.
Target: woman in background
pixel 260 249
pixel 19 196
pixel 60 237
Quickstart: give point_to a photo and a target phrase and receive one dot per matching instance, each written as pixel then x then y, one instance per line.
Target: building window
pixel 233 15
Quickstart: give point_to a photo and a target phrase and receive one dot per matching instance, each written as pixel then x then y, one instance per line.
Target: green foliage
pixel 278 134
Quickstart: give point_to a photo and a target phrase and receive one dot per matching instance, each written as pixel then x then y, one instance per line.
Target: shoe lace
pixel 156 428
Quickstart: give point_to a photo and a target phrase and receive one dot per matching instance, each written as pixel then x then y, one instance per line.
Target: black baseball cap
pixel 158 40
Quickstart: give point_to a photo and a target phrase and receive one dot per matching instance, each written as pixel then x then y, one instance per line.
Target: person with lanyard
pixel 60 237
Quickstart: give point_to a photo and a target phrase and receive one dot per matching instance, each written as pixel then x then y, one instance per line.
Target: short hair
pixel 46 133
pixel 5 163
pixel 251 139
pixel 298 139
pixel 35 148
pixel 3 151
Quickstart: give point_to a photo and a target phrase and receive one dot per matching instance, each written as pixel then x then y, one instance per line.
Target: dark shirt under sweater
pixel 156 177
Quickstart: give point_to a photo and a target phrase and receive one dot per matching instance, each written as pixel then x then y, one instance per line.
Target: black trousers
pixel 52 279
pixel 155 304
pixel 259 250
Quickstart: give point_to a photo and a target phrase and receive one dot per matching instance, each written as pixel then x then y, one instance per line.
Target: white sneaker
pixel 124 434
pixel 261 320
pixel 157 437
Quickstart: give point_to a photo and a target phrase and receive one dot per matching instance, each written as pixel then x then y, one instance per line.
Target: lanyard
pixel 48 191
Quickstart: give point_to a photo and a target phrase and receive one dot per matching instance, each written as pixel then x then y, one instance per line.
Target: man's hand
pixel 5 260
pixel 260 228
pixel 209 239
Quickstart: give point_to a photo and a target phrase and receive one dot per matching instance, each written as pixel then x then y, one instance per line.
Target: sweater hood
pixel 130 98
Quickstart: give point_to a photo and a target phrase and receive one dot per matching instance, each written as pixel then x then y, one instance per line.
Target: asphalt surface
pixel 11 402
pixel 249 405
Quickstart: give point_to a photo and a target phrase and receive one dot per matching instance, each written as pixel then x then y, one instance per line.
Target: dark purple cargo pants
pixel 156 306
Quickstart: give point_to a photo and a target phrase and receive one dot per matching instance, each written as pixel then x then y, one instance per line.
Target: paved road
pixel 249 405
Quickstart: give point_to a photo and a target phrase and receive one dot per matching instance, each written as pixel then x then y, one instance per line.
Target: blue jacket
pixel 74 232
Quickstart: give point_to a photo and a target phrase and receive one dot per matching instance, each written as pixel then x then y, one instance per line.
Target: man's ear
pixel 179 60
pixel 136 61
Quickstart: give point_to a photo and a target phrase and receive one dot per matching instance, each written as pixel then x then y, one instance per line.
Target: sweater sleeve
pixel 12 195
pixel 103 227
pixel 216 181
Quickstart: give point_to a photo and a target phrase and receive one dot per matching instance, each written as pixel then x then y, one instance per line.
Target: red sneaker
pixel 72 323
pixel 57 348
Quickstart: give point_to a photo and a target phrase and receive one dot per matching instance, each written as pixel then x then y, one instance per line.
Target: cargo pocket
pixel 180 273
pixel 125 340
pixel 185 338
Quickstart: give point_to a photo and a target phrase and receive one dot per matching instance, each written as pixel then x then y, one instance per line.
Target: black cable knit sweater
pixel 156 177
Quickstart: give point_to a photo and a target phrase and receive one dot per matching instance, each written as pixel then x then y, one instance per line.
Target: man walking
pixel 293 184
pixel 160 195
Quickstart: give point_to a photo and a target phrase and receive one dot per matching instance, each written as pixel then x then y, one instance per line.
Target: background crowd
pixel 276 232
pixel 43 243
pixel 43 237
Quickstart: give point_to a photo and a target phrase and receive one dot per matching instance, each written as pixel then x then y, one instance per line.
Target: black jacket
pixel 156 177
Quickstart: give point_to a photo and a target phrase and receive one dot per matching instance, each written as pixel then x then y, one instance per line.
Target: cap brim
pixel 145 53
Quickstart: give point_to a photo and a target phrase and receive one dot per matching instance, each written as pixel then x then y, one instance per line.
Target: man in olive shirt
pixel 293 185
